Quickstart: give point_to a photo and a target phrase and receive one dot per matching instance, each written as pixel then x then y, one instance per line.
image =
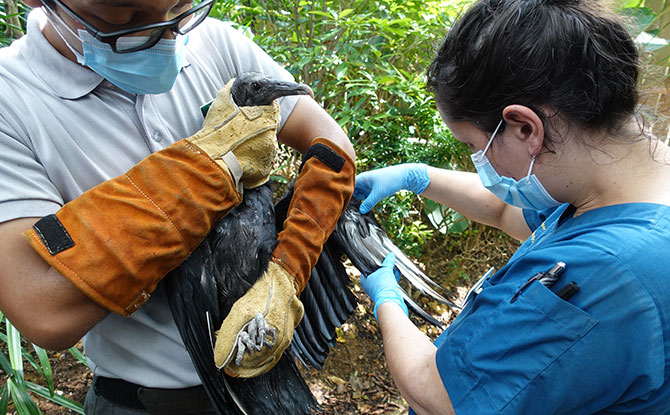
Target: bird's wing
pixel 328 302
pixel 204 288
pixel 366 244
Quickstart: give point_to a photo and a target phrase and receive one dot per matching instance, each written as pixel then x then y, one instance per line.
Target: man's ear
pixel 525 125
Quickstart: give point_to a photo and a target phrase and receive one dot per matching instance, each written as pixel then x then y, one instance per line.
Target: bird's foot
pixel 253 338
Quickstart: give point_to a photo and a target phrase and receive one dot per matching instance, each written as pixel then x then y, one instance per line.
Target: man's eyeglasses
pixel 145 36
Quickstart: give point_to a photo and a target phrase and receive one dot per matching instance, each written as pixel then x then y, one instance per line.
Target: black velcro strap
pixel 53 234
pixel 326 155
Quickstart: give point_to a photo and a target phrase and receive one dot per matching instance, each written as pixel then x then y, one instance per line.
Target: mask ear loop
pixel 56 21
pixel 492 136
pixel 530 168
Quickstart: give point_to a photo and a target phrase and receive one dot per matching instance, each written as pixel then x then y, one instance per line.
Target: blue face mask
pixel 527 193
pixel 148 71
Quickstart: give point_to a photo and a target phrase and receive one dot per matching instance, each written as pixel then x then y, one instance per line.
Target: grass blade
pixel 4 399
pixel 6 366
pixel 79 355
pixel 22 400
pixel 60 400
pixel 47 371
pixel 14 346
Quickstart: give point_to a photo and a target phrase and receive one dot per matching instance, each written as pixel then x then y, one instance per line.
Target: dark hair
pixel 571 56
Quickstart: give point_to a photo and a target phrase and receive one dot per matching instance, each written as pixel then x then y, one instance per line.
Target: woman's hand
pixel 375 185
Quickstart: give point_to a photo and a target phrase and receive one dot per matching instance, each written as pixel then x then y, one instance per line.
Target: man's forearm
pixel 309 121
pixel 41 303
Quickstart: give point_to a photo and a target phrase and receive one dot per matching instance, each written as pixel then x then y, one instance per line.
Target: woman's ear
pixel 524 124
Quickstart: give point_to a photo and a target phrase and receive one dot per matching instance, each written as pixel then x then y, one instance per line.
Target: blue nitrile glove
pixel 382 285
pixel 374 185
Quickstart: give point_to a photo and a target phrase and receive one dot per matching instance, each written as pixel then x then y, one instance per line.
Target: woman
pixel 544 93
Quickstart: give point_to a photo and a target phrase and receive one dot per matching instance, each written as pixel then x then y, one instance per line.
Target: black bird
pixel 235 254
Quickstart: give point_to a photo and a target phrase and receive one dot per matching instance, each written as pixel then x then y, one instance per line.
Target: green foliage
pixel 17 389
pixel 12 21
pixel 366 63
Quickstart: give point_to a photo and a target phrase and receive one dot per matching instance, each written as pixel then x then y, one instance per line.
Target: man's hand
pixel 248 133
pixel 260 325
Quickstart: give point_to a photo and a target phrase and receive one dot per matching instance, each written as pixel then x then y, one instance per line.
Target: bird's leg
pixel 252 338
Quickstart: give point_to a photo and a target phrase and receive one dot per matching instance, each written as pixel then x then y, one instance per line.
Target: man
pixel 108 179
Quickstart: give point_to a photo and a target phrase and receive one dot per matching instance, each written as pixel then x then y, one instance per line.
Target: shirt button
pixel 157 136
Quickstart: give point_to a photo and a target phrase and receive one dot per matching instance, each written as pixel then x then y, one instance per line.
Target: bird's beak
pixel 284 89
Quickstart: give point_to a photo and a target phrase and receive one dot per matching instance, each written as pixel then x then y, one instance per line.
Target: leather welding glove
pixel 250 134
pixel 321 193
pixel 382 285
pixel 118 239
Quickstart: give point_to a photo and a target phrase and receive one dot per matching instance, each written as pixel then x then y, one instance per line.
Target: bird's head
pixel 253 88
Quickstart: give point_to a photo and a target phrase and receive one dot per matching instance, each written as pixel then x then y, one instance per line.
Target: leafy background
pixel 365 60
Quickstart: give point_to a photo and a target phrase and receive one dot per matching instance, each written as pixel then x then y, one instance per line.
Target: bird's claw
pixel 252 337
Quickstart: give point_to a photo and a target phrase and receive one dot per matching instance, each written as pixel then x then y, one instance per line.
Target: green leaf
pixel 4 399
pixel 22 401
pixel 14 346
pixel 632 4
pixel 641 18
pixel 650 42
pixel 6 366
pixel 58 399
pixel 459 223
pixel 80 356
pixel 443 219
pixel 344 13
pixel 47 371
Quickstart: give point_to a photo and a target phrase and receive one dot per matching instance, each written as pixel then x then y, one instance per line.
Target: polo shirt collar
pixel 65 78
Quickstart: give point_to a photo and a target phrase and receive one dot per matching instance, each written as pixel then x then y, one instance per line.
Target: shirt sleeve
pixel 25 188
pixel 236 53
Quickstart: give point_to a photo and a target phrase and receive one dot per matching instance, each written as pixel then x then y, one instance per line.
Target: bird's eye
pixel 256 85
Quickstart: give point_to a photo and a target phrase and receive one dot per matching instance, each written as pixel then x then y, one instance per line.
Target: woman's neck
pixel 621 173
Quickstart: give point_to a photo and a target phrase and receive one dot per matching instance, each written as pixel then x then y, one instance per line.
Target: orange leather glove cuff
pixel 321 193
pixel 119 239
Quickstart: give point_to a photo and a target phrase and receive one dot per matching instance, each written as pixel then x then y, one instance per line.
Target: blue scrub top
pixel 604 350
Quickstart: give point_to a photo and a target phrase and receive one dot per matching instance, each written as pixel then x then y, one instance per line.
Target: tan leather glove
pixel 118 239
pixel 321 193
pixel 262 318
pixel 248 132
